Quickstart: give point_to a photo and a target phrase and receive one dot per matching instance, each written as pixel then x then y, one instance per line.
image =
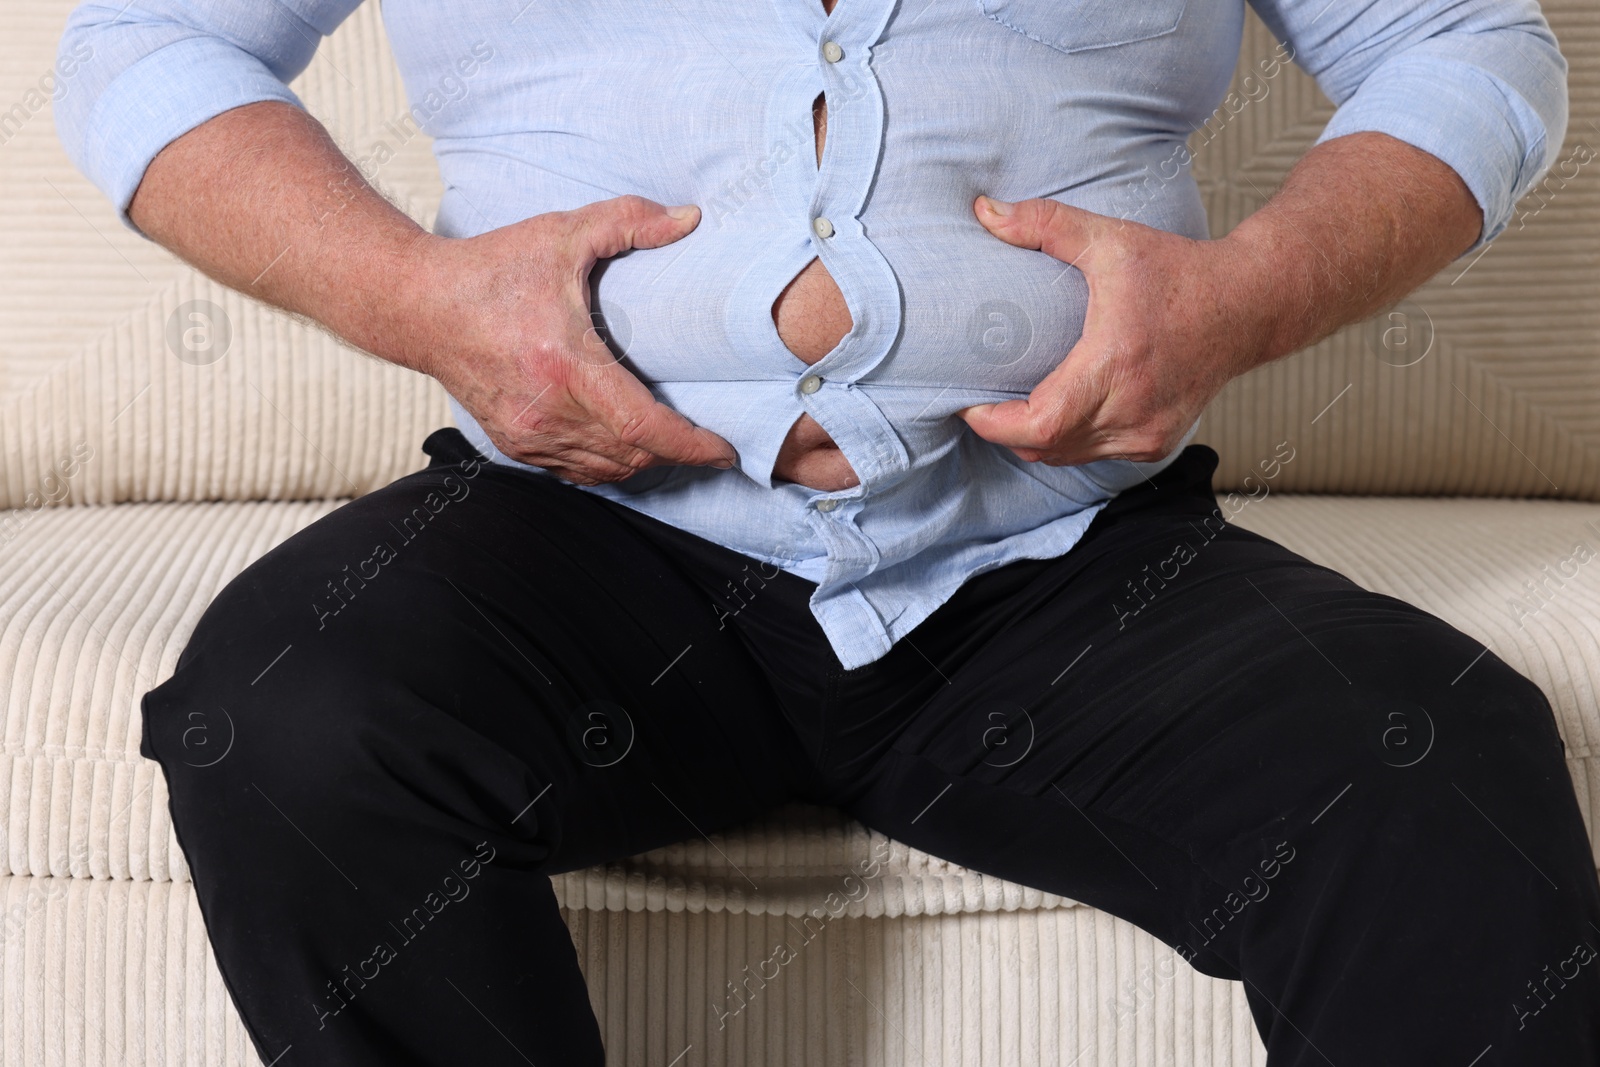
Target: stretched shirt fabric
pixel 538 107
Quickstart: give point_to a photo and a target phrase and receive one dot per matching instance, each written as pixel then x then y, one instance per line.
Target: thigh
pixel 523 615
pixel 387 732
pixel 1284 776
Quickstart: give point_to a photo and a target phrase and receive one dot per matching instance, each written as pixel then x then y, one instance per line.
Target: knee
pixel 1430 700
pixel 1470 767
pixel 1496 721
pixel 1417 748
pixel 250 694
pixel 260 676
pixel 207 723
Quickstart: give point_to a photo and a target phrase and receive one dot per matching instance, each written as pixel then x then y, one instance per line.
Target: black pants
pixel 443 692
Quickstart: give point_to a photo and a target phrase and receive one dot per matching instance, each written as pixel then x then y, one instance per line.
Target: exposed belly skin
pixel 812 318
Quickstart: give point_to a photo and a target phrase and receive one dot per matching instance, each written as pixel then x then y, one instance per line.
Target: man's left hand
pixel 1170 321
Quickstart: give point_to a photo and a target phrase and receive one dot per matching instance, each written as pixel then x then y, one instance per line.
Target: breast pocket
pixel 1077 25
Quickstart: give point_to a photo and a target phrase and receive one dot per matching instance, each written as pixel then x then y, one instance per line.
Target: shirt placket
pixel 828 203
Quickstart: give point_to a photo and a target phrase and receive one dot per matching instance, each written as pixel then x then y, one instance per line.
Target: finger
pixel 622 405
pixel 582 467
pixel 1067 233
pixel 1012 423
pixel 611 227
pixel 1063 402
pixel 554 430
pixel 551 441
pixel 548 444
pixel 1080 444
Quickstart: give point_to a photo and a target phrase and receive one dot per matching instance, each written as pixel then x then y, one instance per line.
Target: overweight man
pixel 824 377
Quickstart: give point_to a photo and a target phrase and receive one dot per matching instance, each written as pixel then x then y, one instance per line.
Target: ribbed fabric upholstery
pixel 103 956
pixel 1483 382
pixel 286 414
pixel 1055 987
pixel 101 973
pixel 101 600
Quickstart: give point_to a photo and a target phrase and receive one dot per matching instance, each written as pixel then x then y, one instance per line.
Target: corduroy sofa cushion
pixel 106 973
pixel 99 601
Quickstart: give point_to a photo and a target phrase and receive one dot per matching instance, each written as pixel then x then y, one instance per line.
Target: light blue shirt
pixel 546 106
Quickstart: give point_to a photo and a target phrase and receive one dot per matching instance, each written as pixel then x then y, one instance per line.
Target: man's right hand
pixel 261 199
pixel 508 331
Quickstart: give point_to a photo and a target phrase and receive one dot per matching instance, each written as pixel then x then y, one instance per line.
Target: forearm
pixel 1360 222
pixel 261 199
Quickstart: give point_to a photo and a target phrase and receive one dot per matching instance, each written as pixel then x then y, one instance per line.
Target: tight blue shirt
pixel 549 106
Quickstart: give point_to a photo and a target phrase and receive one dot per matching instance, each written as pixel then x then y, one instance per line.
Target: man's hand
pixel 1170 321
pixel 507 318
pixel 261 199
pixel 1360 221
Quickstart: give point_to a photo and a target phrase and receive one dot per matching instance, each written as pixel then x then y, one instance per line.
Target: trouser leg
pixel 1292 781
pixel 387 733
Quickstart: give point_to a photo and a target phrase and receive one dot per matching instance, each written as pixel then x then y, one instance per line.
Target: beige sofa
pixel 1449 455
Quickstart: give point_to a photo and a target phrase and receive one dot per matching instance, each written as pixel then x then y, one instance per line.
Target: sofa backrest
pixel 1484 382
pixel 115 384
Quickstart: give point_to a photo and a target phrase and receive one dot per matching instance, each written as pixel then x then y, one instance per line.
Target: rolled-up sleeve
pixel 145 75
pixel 1481 84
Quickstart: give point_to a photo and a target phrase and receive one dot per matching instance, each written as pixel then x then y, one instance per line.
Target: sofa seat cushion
pixel 99 600
pixel 120 972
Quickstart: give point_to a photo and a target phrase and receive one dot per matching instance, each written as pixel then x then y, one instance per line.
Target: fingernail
pixel 722 464
pixel 998 207
pixel 682 211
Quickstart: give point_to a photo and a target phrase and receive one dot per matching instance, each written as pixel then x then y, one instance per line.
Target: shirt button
pixel 832 52
pixel 823 227
pixel 810 383
pixel 827 505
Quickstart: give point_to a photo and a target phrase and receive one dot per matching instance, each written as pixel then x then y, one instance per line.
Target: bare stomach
pixel 812 318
